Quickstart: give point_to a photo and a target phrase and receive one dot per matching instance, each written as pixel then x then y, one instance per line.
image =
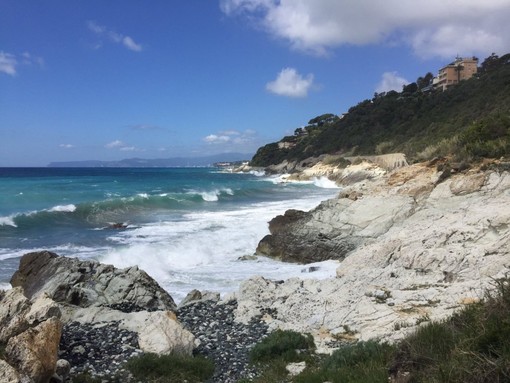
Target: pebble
pixel 103 351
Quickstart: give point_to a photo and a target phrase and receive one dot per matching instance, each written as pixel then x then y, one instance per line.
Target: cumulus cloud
pixel 113 36
pixel 216 139
pixel 232 139
pixel 290 83
pixel 391 81
pixel 434 28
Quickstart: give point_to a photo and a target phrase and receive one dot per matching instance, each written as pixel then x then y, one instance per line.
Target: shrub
pixel 360 362
pixel 281 344
pixel 170 368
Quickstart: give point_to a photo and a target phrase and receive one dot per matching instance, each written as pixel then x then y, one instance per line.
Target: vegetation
pixel 170 368
pixel 360 362
pixel 283 345
pixel 469 120
pixel 277 350
pixel 471 346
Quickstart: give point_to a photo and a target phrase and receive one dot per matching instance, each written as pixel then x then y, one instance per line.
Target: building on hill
pixel 453 73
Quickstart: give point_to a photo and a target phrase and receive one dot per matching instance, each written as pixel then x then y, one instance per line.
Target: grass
pixel 276 351
pixel 170 368
pixel 282 345
pixel 361 362
pixel 471 346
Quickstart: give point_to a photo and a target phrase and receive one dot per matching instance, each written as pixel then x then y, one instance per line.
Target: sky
pixel 107 80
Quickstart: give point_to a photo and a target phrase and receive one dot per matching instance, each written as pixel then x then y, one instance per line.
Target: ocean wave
pixel 212 195
pixel 257 173
pixel 5 286
pixel 7 221
pixel 325 183
pixel 63 208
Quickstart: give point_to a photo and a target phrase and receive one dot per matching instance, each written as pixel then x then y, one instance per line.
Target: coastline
pixel 422 244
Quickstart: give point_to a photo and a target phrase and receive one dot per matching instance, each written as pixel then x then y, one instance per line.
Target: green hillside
pixel 469 120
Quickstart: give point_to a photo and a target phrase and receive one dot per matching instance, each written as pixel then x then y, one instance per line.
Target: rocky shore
pixel 415 244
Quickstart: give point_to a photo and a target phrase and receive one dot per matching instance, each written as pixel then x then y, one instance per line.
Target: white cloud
pixel 290 83
pixel 233 140
pixel 130 44
pixel 121 145
pixel 66 146
pixel 115 144
pixel 8 63
pixel 391 81
pixel 114 37
pixel 434 28
pixel 216 139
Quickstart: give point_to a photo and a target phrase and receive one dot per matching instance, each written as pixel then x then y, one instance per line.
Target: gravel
pixel 102 350
pixel 222 340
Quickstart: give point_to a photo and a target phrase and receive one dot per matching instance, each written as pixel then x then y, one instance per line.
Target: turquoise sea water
pixel 186 227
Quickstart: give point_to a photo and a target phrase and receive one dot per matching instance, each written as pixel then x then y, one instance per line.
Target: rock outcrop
pixel 416 246
pixel 88 283
pixel 82 307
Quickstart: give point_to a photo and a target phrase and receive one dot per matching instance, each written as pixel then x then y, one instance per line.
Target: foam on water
pixel 202 250
pixel 325 182
pixel 63 208
pixel 7 221
pixel 5 286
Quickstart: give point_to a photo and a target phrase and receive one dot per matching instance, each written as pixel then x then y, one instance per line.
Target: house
pixel 453 73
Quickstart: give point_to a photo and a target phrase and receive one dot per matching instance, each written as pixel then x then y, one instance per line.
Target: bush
pixel 360 362
pixel 170 368
pixel 281 344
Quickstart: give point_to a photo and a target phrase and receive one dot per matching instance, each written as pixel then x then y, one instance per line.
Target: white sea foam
pixel 201 251
pixel 257 173
pixel 63 208
pixel 212 195
pixel 325 182
pixel 143 195
pixel 5 286
pixel 7 221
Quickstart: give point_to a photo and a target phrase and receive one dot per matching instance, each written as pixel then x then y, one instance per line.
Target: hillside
pixel 471 119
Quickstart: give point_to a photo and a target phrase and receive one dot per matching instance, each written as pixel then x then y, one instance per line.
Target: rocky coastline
pixel 415 244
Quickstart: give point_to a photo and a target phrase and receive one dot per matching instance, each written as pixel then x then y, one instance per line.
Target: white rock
pixel 431 249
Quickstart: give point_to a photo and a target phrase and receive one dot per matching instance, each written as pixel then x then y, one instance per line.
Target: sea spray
pixel 185 227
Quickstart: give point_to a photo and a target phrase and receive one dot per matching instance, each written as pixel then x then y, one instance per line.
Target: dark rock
pixel 88 283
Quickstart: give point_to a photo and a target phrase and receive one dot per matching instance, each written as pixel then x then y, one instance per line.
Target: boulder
pixel 158 331
pixel 333 229
pixel 34 352
pixel 88 283
pixel 13 308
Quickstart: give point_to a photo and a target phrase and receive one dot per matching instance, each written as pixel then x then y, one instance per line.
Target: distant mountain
pixel 153 163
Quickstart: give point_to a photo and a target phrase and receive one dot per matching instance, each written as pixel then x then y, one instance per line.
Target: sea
pixel 186 227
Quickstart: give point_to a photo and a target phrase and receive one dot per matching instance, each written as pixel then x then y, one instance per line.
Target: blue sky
pixel 107 80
